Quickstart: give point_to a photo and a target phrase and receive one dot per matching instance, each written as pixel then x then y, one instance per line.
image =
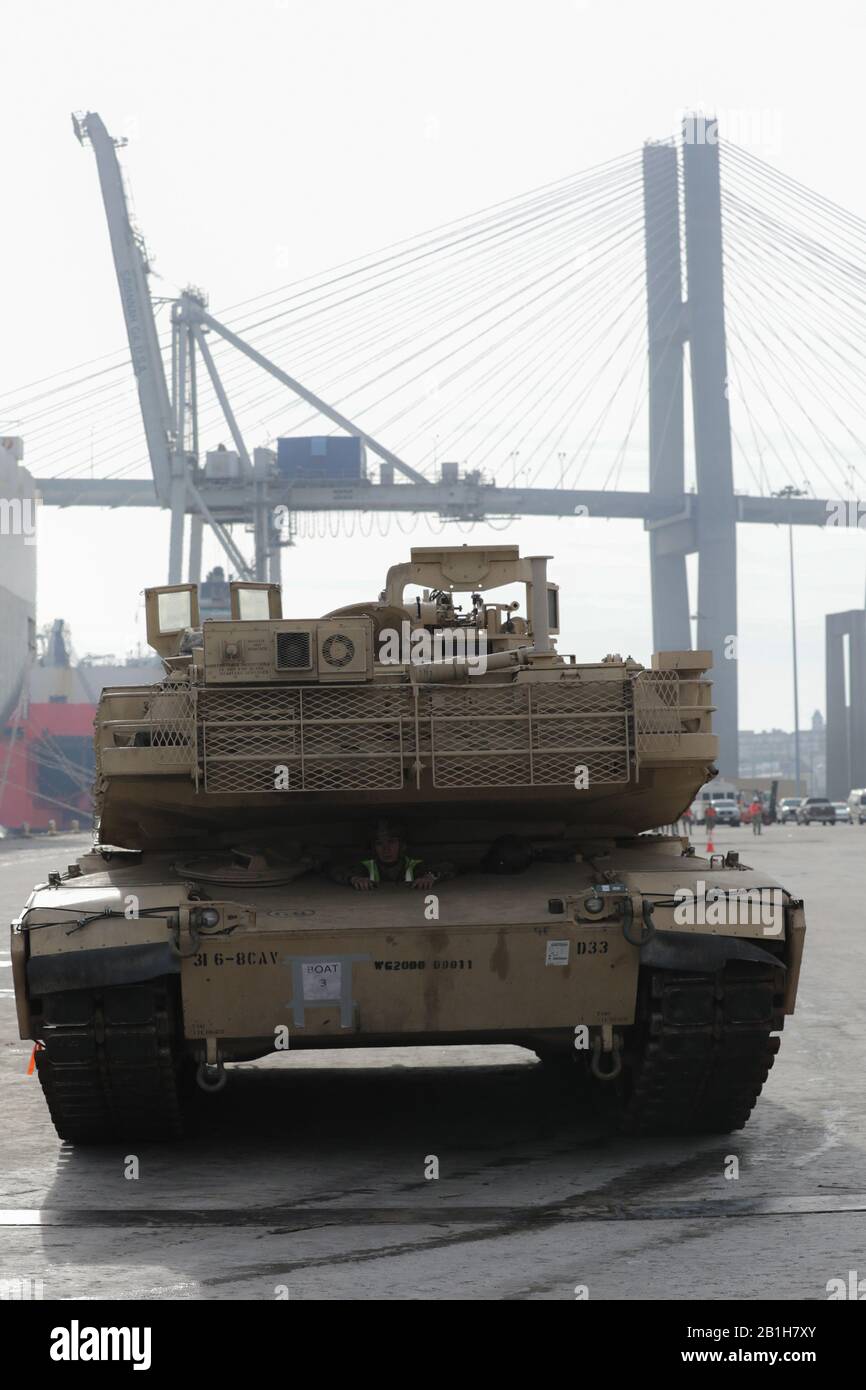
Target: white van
pixel 857 805
pixel 723 796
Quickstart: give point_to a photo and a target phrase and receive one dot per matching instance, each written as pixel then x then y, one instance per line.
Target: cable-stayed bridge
pixel 673 336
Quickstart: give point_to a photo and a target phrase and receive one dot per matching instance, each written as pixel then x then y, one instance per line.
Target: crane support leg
pixel 223 399
pixel 262 533
pixel 196 530
pixel 274 551
pixel 178 517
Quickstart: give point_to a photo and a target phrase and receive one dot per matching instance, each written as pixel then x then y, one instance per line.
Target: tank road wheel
pixel 111 1065
pixel 702 1050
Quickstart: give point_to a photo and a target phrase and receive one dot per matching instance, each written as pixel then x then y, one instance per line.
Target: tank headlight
pixel 593 903
pixel 206 917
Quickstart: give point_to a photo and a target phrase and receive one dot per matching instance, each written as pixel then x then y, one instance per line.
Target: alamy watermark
pixel 77 1343
pixel 853 1287
pixel 18 518
pixel 731 907
pixel 418 647
pixel 849 512
pixel 757 127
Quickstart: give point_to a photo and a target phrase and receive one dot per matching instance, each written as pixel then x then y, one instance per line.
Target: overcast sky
pixel 271 139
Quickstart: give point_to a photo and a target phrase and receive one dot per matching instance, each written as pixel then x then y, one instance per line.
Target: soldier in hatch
pixel 390 861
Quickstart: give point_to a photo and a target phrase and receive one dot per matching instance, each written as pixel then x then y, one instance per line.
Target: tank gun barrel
pixel 462 668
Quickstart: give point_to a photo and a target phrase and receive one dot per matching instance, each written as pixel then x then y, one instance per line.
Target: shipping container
pixel 321 458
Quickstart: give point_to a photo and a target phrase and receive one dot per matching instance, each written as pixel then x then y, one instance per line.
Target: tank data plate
pixel 410 980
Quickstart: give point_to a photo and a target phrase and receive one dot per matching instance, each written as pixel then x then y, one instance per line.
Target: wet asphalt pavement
pixel 307 1178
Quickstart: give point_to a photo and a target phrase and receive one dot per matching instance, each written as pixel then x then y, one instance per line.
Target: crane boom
pixel 130 263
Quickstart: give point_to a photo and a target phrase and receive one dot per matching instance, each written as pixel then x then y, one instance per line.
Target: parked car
pixel 857 805
pixel 788 809
pixel 842 812
pixel 818 808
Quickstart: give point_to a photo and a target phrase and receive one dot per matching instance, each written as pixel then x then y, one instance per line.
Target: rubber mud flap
pixel 674 950
pixel 118 965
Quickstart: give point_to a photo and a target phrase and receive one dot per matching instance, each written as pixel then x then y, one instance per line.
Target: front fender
pixel 115 965
pixel 674 950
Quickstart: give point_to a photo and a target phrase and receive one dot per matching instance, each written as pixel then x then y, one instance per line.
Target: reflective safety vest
pixel 409 867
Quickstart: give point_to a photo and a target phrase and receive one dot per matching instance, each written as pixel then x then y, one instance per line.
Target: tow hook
pixel 211 1077
pixel 610 1046
pixel 647 930
pixel 183 941
pixel 211 1073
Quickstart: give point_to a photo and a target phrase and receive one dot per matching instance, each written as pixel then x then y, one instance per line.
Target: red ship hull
pixel 46 768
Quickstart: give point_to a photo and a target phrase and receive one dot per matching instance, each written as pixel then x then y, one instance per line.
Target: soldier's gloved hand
pixel 425 881
pixel 362 883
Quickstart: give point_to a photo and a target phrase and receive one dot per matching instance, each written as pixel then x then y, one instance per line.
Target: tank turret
pixel 425 705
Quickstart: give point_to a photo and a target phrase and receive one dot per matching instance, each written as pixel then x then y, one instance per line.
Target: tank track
pixel 705 1048
pixel 110 1066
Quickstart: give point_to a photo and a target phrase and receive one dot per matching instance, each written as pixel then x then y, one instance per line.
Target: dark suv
pixel 816 808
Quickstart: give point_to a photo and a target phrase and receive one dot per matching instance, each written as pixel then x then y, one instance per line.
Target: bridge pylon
pixel 707 524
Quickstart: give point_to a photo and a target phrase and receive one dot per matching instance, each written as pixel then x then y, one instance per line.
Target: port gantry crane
pixel 170 416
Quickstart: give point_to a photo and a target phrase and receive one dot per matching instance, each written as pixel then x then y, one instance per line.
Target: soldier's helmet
pixel 510 854
pixel 387 830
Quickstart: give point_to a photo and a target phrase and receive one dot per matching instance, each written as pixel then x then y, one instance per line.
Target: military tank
pixel 215 919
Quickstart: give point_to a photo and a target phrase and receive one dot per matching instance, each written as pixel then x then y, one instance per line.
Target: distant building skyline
pixel 770 752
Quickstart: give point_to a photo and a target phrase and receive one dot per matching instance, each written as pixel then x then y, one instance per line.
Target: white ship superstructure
pixel 17 573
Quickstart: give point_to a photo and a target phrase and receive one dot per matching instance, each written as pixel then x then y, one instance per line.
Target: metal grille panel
pixel 530 735
pixel 357 738
pixel 293 651
pixel 604 766
pixel 274 740
pixel 657 711
pixel 496 770
pixel 167 729
pixel 573 696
